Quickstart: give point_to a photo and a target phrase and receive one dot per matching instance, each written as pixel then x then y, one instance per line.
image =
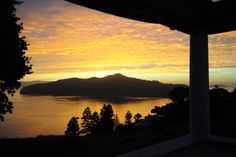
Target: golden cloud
pixel 67 39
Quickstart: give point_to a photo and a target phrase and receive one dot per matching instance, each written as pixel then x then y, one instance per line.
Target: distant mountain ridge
pixel 116 85
pixel 28 83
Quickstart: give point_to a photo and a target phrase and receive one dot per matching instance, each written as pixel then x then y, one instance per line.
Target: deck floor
pixel 205 149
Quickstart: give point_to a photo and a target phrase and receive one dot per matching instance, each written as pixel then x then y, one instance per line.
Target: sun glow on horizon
pixel 67 40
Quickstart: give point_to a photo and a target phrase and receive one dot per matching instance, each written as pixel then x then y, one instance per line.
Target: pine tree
pixel 72 127
pixel 96 123
pixel 107 118
pixel 86 121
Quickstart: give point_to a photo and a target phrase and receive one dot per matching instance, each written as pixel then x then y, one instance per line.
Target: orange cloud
pixel 67 40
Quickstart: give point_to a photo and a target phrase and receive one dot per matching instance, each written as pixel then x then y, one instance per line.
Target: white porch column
pixel 199 85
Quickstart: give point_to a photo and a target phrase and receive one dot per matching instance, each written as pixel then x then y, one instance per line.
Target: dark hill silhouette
pixel 28 83
pixel 116 85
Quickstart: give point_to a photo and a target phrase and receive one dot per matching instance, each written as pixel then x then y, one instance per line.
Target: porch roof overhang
pixel 186 16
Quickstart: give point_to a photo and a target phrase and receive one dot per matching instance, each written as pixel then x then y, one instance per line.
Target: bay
pixel 49 115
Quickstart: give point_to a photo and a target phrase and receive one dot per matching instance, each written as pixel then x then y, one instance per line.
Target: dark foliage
pixel 6 106
pixel 179 95
pixel 14 65
pixel 96 123
pixel 137 118
pixel 176 112
pixel 117 121
pixel 222 111
pixel 107 119
pixel 223 106
pixel 86 121
pixel 91 123
pixel 157 110
pixel 72 127
pixel 128 118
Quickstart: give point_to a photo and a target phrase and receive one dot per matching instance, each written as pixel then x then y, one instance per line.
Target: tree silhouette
pixel 156 110
pixel 179 94
pixel 96 123
pixel 86 121
pixel 72 127
pixel 218 92
pixel 137 119
pixel 128 118
pixel 6 106
pixel 220 105
pixel 14 65
pixel 107 118
pixel 175 112
pixel 117 121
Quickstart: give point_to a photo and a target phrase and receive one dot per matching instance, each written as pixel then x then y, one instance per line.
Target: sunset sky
pixel 67 40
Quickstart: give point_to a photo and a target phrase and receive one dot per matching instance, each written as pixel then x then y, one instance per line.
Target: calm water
pixel 47 115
